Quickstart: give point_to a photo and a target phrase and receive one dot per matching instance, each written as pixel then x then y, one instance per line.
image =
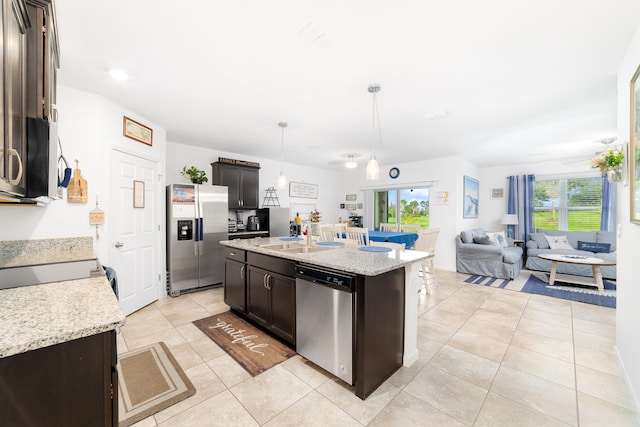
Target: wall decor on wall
pixel 301 189
pixel 351 207
pixel 497 193
pixel 471 195
pixel 78 189
pixel 138 131
pixel 138 194
pixel 352 197
pixel 634 149
pixel 442 197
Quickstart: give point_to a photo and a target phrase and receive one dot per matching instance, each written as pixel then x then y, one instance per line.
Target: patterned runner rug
pixel 252 348
pixel 149 380
pixel 538 283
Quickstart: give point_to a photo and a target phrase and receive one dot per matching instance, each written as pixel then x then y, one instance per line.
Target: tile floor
pixel 488 357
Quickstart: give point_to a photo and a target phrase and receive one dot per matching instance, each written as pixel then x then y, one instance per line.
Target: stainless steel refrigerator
pixel 276 220
pixel 196 223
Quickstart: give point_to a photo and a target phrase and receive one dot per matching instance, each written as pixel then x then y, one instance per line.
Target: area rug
pixel 251 347
pixel 149 380
pixel 538 283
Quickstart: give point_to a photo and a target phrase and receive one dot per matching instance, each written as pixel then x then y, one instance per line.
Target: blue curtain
pixel 608 219
pixel 521 203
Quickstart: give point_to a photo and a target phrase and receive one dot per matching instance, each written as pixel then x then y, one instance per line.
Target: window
pixel 568 204
pixel 411 206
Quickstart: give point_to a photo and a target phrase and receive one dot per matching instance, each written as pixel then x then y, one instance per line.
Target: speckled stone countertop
pixel 22 253
pixel 341 258
pixel 42 315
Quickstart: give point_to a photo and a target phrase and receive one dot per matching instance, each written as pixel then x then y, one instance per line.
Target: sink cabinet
pixel 271 294
pixel 243 184
pixel 235 273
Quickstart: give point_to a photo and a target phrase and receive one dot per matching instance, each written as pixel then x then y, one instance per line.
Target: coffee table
pixel 595 263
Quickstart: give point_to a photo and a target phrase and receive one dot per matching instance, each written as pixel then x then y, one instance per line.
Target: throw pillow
pixel 558 242
pixel 484 240
pixel 594 247
pixel 499 238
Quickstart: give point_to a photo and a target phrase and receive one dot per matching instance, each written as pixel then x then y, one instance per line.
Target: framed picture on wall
pixel 471 196
pixel 497 193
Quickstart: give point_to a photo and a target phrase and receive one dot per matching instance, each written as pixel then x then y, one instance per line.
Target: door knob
pixel 119 244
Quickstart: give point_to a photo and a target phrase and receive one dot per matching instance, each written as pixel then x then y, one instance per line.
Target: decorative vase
pixel 614 174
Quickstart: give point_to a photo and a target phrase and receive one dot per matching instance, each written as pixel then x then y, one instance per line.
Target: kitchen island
pixel 58 341
pixel 384 320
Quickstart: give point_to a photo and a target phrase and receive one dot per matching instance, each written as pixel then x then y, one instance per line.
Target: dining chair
pixel 427 238
pixel 387 226
pixel 410 228
pixel 396 246
pixel 357 236
pixel 329 233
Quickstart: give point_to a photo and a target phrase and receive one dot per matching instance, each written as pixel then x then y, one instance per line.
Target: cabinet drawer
pixel 235 254
pixel 272 264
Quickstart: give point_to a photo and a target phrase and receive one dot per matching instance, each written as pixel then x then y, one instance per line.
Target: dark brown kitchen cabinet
pixel 235 272
pixel 15 22
pixel 74 383
pixel 271 294
pixel 243 184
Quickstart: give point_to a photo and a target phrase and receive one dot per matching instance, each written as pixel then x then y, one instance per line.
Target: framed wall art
pixel 634 149
pixel 497 193
pixel 138 131
pixel 301 189
pixel 471 195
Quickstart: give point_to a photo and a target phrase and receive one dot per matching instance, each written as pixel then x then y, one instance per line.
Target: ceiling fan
pixel 349 160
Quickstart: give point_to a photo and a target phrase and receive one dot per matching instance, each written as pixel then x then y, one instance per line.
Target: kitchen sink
pixel 307 249
pixel 280 246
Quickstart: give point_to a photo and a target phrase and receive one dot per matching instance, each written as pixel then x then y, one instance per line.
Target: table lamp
pixel 510 220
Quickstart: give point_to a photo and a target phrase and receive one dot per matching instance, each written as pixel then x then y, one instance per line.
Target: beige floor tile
pixel 542 366
pixel 603 386
pixel 434 330
pixel 497 305
pixel 206 348
pixel 466 366
pixel 447 393
pixel 552 347
pixel 228 370
pixel 597 413
pixel 186 356
pixel 179 304
pixel 593 341
pixel 448 318
pixel 207 384
pixel 494 318
pixel 542 395
pixel 313 410
pixel 547 317
pixel 407 410
pixel 546 329
pixel 121 344
pixel 190 332
pixel 220 410
pixel 207 297
pixel 496 331
pixel 186 317
pixel 147 422
pixel 604 361
pixel 480 345
pixel 307 371
pixel 519 299
pixel 500 411
pixel 552 305
pixel 595 313
pixel 461 304
pixel 363 411
pixel 269 393
pixel 216 308
pixel 594 327
pixel 168 335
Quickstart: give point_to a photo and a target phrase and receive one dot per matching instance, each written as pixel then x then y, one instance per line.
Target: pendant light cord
pixel 375 119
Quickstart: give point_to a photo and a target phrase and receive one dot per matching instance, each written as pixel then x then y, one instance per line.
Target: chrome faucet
pixel 308 230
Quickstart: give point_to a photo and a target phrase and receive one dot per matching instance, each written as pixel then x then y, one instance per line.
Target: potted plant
pixel 610 163
pixel 196 175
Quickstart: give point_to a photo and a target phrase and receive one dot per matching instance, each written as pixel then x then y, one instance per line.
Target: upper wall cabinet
pixel 243 183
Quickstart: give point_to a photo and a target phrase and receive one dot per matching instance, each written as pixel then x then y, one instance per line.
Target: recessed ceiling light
pixel 118 74
pixel 437 115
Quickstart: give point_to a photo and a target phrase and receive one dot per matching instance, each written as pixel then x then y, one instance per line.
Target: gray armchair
pixel 487 260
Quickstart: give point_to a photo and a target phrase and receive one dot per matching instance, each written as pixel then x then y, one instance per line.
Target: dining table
pixel 394 236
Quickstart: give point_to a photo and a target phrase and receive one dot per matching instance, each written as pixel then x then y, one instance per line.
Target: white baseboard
pixel 633 395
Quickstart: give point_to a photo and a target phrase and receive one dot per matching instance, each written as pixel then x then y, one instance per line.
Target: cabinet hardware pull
pixel 242 272
pixel 16 180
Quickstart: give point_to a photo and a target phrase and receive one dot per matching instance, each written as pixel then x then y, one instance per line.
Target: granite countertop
pixel 24 253
pixel 341 258
pixel 42 315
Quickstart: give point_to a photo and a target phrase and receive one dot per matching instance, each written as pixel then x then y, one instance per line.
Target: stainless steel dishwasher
pixel 324 319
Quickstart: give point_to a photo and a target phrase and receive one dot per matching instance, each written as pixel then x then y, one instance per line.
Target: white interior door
pixel 134 230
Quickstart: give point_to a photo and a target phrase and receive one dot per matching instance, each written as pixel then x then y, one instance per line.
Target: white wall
pixel 89 127
pixel 330 183
pixel 627 313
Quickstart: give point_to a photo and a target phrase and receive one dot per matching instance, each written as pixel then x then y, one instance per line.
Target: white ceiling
pixel 521 80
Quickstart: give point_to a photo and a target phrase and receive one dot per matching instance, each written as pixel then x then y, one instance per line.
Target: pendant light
pixel 350 164
pixel 373 169
pixel 282 179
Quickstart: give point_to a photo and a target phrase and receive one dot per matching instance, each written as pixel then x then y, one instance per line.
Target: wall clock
pixel 394 173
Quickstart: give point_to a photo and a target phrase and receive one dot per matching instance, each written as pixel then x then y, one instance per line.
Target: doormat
pixel 538 283
pixel 251 347
pixel 150 380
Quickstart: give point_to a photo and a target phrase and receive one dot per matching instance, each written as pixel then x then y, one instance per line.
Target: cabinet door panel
pixel 257 296
pixel 230 176
pixel 234 285
pixel 250 191
pixel 283 307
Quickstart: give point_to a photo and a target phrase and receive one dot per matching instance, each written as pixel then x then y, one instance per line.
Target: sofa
pixel 475 254
pixel 592 244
